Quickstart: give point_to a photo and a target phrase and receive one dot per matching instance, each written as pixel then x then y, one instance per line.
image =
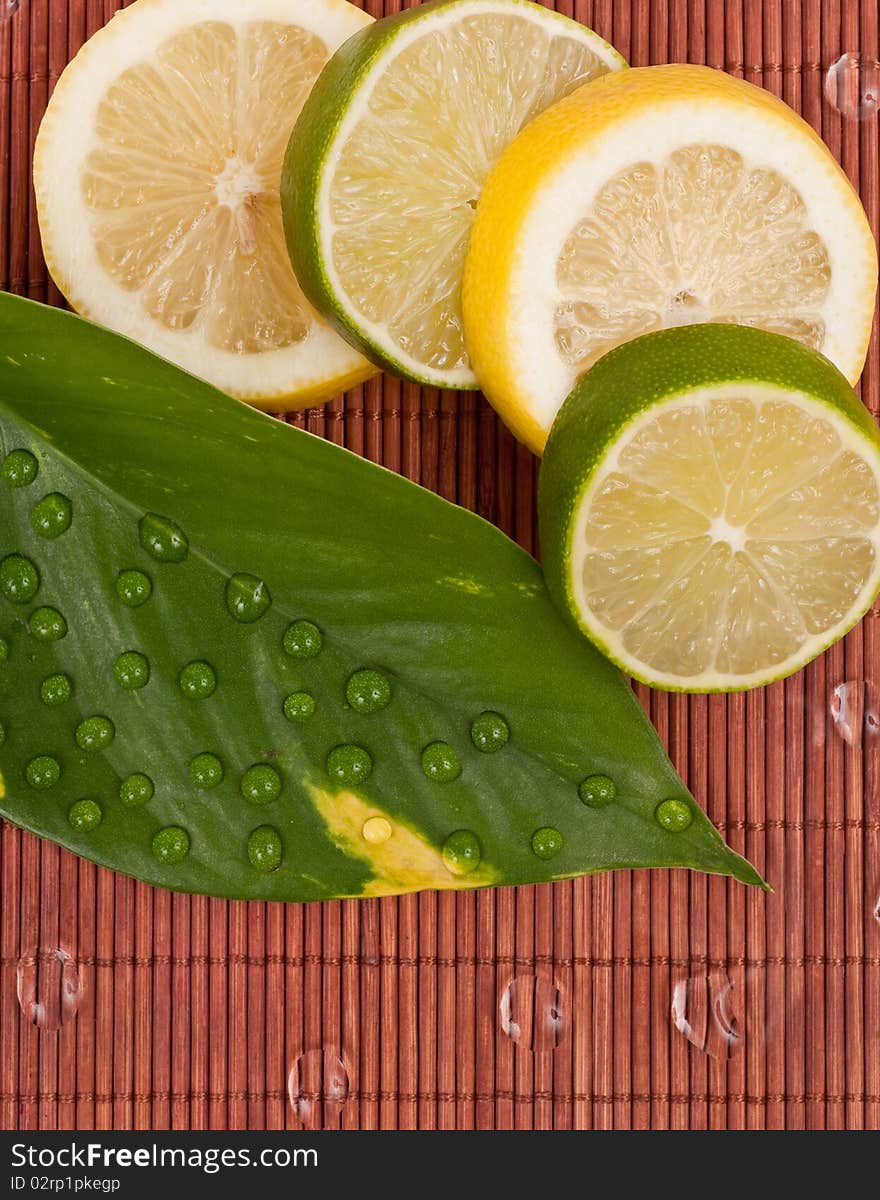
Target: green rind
pixel 317 126
pixel 652 368
pixel 453 613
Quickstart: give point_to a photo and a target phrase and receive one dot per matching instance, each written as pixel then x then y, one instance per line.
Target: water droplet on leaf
pixel 131 670
pixel 302 639
pixel 47 625
pixel 461 852
pixel 261 784
pixel 368 691
pixel 546 842
pixel 206 771
pixel 674 815
pixel 51 516
pixel 137 789
pixel 197 680
pixel 597 791
pixel 440 762
pixel 19 579
pixel 376 830
pixel 20 468
pixel 43 772
pixel 247 598
pixel 349 764
pixel 299 706
pixel 162 539
pixel 171 845
pixel 133 588
pixel 85 815
pixel 95 733
pixel 490 732
pixel 264 848
pixel 56 689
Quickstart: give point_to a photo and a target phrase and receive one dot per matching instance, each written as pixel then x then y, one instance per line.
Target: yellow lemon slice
pixel 157 172
pixel 658 197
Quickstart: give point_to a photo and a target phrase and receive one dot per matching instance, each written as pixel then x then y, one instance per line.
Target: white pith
pixel 764 141
pixel 704 620
pixel 69 136
pixel 548 24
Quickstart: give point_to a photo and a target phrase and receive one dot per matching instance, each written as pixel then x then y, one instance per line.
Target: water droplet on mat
pixel 533 1013
pixel 855 711
pixel 318 1088
pixel 852 85
pixel 704 1010
pixel 7 8
pixel 49 987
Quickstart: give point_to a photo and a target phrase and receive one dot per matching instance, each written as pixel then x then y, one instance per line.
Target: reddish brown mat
pixel 630 1000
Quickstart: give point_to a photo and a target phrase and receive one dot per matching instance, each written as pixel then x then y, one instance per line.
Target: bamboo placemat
pixel 632 1000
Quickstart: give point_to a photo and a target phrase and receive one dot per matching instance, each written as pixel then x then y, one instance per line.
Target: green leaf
pixel 239 660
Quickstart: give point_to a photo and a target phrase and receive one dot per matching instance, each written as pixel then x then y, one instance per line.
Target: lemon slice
pixel 659 197
pixel 710 507
pixel 157 172
pixel 389 156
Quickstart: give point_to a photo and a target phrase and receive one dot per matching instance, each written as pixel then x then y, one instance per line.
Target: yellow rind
pixel 306 397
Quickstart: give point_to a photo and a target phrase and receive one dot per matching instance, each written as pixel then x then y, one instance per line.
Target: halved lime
pixel 389 156
pixel 710 507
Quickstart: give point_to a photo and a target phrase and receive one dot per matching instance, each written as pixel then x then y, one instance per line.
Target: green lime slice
pixel 389 156
pixel 710 507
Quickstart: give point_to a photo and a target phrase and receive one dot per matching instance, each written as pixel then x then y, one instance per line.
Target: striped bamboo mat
pixel 632 1000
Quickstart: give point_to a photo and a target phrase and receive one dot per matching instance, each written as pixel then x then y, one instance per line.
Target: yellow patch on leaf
pixel 405 861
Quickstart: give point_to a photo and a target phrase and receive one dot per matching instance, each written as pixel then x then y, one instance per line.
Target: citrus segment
pixel 390 155
pixel 654 198
pixel 725 527
pixel 157 172
pixel 699 236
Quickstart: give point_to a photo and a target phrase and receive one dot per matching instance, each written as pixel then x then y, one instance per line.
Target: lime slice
pixel 388 160
pixel 157 170
pixel 659 197
pixel 710 507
